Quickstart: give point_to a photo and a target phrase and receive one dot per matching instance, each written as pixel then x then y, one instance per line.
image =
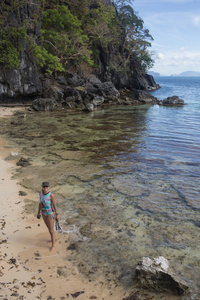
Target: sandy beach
pixel 28 270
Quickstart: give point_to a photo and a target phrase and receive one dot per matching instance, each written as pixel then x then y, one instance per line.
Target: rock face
pixel 131 77
pixel 155 274
pixel 173 100
pixel 22 82
pixel 152 85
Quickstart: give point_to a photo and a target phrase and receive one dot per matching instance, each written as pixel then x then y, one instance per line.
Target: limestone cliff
pixel 24 81
pixel 28 81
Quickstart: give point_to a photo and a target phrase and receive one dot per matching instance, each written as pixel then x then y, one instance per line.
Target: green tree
pixel 11 34
pixel 137 38
pixel 63 37
pixel 100 25
pixel 73 32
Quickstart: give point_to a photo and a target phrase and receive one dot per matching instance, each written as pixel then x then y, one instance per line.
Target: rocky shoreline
pixel 74 92
pixel 77 93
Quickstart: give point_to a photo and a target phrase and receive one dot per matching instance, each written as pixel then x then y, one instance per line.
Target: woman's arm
pixel 39 210
pixel 54 206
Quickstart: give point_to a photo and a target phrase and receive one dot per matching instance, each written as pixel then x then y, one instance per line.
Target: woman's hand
pixel 56 217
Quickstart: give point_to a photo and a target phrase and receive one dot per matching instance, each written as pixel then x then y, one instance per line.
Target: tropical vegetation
pixel 71 34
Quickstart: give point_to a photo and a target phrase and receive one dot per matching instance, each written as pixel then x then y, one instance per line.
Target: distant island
pixel 153 73
pixel 183 74
pixel 188 74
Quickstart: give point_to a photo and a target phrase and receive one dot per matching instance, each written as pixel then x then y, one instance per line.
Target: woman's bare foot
pixel 52 249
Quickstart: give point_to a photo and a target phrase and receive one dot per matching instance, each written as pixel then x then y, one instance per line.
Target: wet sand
pixel 28 270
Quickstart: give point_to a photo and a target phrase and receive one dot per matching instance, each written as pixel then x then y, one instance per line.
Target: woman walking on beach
pixel 49 211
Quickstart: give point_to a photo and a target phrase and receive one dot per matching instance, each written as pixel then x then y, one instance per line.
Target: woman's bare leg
pixel 50 225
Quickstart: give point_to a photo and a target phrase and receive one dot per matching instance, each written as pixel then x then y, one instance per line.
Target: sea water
pixel 126 181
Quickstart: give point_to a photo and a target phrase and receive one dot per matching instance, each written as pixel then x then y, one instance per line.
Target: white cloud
pixel 184 58
pixel 196 20
pixel 177 62
pixel 160 56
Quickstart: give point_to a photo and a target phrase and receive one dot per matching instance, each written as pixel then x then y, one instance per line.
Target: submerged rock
pixel 155 274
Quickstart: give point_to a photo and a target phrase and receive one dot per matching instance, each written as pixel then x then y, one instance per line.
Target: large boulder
pixel 173 100
pixel 105 89
pixel 91 90
pixel 109 91
pixel 145 97
pixel 72 92
pixel 74 80
pixel 54 92
pixel 72 98
pixel 45 104
pixel 155 274
pixel 23 162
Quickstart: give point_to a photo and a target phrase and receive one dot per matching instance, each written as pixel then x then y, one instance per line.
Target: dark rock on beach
pixel 22 193
pixel 23 162
pixel 155 274
pixel 74 80
pixel 75 295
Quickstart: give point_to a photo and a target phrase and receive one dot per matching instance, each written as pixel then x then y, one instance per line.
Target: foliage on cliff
pixel 69 35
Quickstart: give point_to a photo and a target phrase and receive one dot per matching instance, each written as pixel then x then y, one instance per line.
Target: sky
pixel 175 27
